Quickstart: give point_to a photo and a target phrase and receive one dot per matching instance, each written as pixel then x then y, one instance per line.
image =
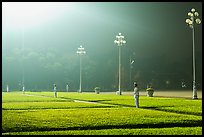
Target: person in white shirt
pixel 7 88
pixel 55 90
pixel 136 94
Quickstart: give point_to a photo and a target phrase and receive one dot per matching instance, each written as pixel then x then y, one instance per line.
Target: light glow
pixel 18 14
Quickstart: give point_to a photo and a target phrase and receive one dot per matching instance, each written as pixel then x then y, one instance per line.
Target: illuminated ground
pixel 175 93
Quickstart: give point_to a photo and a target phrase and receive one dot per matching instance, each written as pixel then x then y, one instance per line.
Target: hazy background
pixel 40 40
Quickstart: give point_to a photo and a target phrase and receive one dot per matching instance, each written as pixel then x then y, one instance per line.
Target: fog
pixel 39 46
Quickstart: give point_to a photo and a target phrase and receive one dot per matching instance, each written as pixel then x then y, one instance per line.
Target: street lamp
pixel 80 51
pixel 190 22
pixel 23 42
pixel 119 40
pixel 131 66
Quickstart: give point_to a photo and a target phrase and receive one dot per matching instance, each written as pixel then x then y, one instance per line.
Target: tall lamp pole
pixel 23 43
pixel 119 40
pixel 131 66
pixel 80 51
pixel 190 22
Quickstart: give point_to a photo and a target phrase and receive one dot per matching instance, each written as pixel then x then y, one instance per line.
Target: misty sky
pixel 40 40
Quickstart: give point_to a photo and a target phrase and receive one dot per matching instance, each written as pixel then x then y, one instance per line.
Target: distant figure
pixel 7 88
pixel 55 90
pixel 136 94
pixel 67 87
pixel 23 88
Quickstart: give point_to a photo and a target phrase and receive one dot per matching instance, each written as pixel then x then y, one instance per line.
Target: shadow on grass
pixel 188 123
pixel 149 108
pixel 47 108
pixel 162 108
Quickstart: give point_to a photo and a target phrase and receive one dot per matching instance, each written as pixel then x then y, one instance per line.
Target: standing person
pixel 67 87
pixel 136 94
pixel 55 90
pixel 7 88
pixel 23 89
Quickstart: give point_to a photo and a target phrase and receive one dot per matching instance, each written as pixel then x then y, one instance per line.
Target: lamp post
pixel 131 66
pixel 23 44
pixel 80 51
pixel 119 40
pixel 191 22
pixel 67 87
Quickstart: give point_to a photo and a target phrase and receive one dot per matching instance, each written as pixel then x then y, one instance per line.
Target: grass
pixel 122 131
pixel 39 113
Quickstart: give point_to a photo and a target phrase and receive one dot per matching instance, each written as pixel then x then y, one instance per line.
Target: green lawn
pixel 74 113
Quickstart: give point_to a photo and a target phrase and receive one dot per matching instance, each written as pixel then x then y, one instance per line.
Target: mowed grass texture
pixel 71 113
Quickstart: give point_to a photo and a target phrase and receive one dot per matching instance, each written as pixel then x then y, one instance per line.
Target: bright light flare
pixel 20 14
